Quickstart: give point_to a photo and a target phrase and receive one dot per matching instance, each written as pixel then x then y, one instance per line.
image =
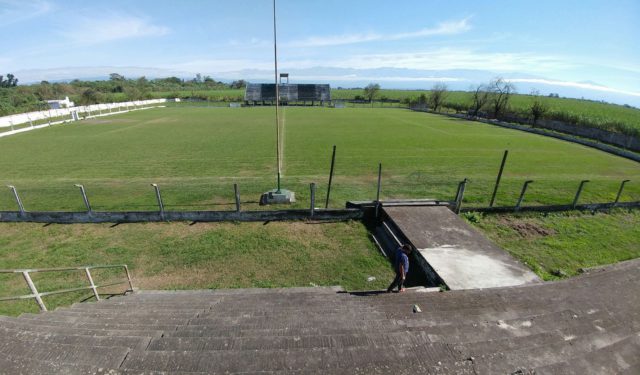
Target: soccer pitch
pixel 197 154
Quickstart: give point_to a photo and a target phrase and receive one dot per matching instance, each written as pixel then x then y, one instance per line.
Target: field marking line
pixel 282 140
pixel 429 126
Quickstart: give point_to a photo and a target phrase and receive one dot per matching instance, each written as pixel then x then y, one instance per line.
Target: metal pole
pixel 84 197
pixel 34 291
pixel 93 286
pixel 378 192
pixel 126 270
pixel 495 189
pixel 159 198
pixel 237 194
pixel 275 64
pixel 460 195
pixel 312 186
pixel 575 200
pixel 333 161
pixel 620 191
pixel 17 197
pixel 524 189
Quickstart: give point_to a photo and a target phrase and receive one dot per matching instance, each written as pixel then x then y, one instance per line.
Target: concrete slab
pixel 460 255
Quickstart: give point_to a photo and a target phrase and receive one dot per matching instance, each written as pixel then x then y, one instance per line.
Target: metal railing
pixel 92 286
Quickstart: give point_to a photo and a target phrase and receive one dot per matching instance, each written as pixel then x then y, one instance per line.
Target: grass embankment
pixel 183 256
pixel 196 154
pixel 591 113
pixel 560 244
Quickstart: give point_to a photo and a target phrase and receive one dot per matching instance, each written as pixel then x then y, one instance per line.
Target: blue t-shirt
pixel 402 259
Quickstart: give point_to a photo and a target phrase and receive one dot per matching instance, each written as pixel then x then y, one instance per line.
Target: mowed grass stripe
pixel 196 154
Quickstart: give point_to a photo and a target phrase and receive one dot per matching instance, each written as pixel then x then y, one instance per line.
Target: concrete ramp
pixel 462 257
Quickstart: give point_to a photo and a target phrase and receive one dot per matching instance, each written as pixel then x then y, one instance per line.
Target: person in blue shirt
pixel 401 266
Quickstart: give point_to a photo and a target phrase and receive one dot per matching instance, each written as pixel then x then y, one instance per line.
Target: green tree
pixel 500 91
pixel 116 77
pixel 371 91
pixel 438 95
pixel 538 107
pixel 479 99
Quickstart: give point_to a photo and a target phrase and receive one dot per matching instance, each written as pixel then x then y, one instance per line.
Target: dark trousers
pixel 397 281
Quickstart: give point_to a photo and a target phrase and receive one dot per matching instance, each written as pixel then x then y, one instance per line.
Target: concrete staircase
pixel 586 325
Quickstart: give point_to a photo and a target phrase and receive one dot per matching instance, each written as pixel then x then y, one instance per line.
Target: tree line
pixel 118 88
pixel 490 100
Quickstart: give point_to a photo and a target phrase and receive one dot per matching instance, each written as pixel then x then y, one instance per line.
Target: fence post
pixel 17 197
pixel 84 197
pixel 159 199
pixel 237 195
pixel 461 186
pixel 378 190
pixel 93 286
pixel 333 160
pixel 126 270
pixel 312 186
pixel 620 191
pixel 34 291
pixel 575 200
pixel 524 189
pixel 495 189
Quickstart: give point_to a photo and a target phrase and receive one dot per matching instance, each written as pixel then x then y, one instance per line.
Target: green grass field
pixel 196 154
pixel 183 256
pixel 560 244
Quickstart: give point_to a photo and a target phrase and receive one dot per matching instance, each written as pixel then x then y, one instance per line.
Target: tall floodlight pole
pixel 275 63
pixel 277 195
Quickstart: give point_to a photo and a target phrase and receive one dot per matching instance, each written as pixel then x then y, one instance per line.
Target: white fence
pixel 80 111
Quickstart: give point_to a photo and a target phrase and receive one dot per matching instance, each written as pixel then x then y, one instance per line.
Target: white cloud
pixel 444 28
pixel 449 58
pixel 208 66
pixel 14 11
pixel 580 85
pixel 111 27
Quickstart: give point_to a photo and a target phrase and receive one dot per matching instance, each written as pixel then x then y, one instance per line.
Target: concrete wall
pixel 565 137
pixel 156 216
pixel 94 109
pixel 628 142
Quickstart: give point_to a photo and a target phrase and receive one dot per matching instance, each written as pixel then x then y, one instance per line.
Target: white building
pixel 57 104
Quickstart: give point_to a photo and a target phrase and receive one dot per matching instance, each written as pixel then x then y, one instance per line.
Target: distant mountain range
pixel 390 78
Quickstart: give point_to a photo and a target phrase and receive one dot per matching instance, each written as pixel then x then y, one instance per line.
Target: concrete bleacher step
pixel 588 324
pixel 564 320
pixel 616 358
pixel 344 340
pixel 101 356
pixel 37 337
pixel 532 357
pixel 22 326
pixel 18 365
pixel 289 359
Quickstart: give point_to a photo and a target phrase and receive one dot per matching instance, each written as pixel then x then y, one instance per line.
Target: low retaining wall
pixel 565 137
pixel 156 216
pixel 91 110
pixel 628 142
pixel 553 208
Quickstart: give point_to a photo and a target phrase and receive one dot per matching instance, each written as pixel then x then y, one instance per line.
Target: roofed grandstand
pixel 266 92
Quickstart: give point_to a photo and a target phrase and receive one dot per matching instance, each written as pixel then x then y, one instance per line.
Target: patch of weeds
pixel 473 217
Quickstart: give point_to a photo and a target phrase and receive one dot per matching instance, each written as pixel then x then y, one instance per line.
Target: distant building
pixel 57 104
pixel 266 92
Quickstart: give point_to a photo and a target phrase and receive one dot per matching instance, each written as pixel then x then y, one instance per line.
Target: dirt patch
pixel 527 229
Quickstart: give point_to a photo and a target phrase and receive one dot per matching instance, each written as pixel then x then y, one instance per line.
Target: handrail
pixel 38 296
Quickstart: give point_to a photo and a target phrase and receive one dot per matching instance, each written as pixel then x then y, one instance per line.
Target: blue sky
pixel 584 46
